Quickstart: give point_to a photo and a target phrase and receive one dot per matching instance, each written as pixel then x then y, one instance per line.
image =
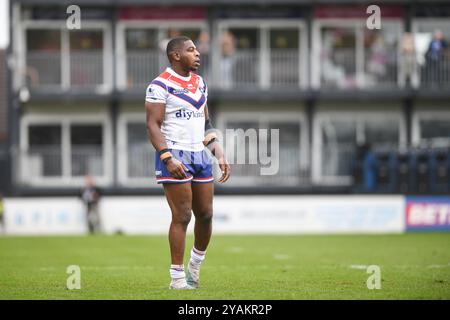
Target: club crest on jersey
pixel 180 91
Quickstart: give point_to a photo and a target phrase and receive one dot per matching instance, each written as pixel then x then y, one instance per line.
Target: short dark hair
pixel 174 44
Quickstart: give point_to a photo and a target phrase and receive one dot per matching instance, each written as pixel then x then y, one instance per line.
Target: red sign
pixel 355 11
pixel 163 13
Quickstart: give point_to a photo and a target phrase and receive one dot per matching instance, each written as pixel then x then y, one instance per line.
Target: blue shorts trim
pixel 198 163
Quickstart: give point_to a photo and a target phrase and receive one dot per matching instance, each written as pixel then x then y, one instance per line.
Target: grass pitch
pixel 413 266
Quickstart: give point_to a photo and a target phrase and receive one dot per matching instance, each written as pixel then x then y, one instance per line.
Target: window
pixel 381 56
pixel 136 158
pixel 437 128
pixel 431 128
pixel 261 54
pixel 257 158
pixel 142 52
pixel 338 57
pixel 340 134
pixel 58 151
pixel 143 56
pixel 339 140
pixel 140 153
pixel 243 67
pixel 45 150
pixel 385 135
pixel 57 58
pixel 290 155
pixel 347 55
pixel 86 150
pixel 284 57
pixel 434 62
pixel 86 57
pixel 43 59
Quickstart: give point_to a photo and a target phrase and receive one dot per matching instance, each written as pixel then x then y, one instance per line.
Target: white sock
pixel 197 257
pixel 177 271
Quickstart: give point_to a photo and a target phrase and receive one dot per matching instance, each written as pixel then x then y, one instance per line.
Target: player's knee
pixel 205 216
pixel 183 219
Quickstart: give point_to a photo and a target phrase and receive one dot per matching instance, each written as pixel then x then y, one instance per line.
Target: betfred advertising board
pixel 428 213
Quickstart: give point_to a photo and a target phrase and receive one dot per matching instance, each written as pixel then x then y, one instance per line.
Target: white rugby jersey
pixel 185 100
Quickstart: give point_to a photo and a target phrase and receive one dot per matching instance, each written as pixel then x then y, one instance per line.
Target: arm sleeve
pixel 156 94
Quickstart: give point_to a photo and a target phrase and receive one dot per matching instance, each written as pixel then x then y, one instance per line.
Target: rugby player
pixel 179 128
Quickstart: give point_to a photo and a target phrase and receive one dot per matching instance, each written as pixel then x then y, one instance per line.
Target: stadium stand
pixel 313 71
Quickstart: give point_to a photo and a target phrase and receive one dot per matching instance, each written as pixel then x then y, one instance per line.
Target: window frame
pixel 161 26
pixel 436 22
pixel 419 115
pixel 265 117
pixel 357 116
pixel 60 25
pixel 358 24
pixel 264 26
pixel 122 155
pixel 65 121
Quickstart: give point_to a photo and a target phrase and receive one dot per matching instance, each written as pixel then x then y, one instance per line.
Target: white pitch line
pixel 235 249
pixel 437 266
pixel 102 268
pixel 358 266
pixel 280 256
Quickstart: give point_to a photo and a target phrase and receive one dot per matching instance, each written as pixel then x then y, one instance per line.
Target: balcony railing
pixel 43 69
pixel 342 70
pixel 339 69
pixel 380 70
pixel 435 74
pixel 142 67
pixel 87 160
pixel 337 159
pixel 246 69
pixel 46 70
pixel 141 161
pixel 86 69
pixel 284 68
pixel 242 70
pixel 284 169
pixel 47 163
pixel 41 162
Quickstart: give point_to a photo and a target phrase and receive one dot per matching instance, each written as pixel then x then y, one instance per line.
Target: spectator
pixel 369 170
pixel 334 73
pixel 90 195
pixel 365 168
pixel 228 46
pixel 408 62
pixel 203 47
pixel 434 57
pixel 378 59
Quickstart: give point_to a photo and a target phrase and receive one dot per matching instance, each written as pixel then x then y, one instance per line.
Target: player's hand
pixel 177 169
pixel 225 168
